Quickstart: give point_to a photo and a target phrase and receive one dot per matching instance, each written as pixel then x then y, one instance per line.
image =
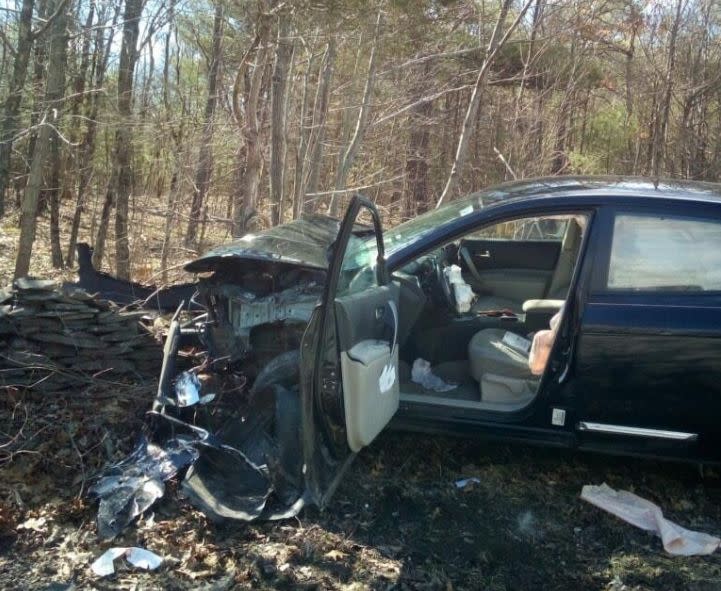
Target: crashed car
pixel 575 312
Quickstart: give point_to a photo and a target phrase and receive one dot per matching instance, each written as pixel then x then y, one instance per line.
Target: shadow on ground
pixel 398 522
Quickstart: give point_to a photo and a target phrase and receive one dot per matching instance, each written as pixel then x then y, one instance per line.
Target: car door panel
pixel 650 367
pixel 513 254
pixel 364 315
pixel 516 284
pixel 367 324
pixel 349 357
pixel 648 361
pixel 518 270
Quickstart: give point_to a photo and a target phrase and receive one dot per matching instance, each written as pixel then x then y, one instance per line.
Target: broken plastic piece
pixel 187 389
pixel 138 557
pixel 461 290
pixel 422 374
pixel 130 487
pixel 648 516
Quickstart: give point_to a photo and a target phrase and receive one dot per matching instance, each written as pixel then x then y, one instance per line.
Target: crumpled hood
pixel 303 242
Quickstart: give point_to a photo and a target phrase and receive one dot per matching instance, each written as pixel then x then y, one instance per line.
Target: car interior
pixel 478 316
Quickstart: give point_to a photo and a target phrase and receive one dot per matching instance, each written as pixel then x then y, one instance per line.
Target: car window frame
pixel 602 261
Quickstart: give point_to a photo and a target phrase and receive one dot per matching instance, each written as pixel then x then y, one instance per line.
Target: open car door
pixel 349 355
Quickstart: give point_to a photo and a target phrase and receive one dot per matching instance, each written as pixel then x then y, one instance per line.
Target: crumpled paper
pixel 138 557
pixel 422 374
pixel 648 516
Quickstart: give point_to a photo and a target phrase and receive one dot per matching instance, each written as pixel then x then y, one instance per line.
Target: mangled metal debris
pixel 130 487
pixel 234 421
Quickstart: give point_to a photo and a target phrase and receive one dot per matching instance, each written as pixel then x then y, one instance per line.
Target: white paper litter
pixel 421 374
pixel 517 342
pixel 648 516
pixel 461 290
pixel 138 557
pixel 464 482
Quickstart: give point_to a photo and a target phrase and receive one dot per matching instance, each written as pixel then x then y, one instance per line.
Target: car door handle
pixel 484 254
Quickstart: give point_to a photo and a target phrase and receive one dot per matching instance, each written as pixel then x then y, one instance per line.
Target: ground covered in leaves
pixel 396 522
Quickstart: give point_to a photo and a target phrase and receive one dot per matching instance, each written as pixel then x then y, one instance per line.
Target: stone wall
pixel 56 337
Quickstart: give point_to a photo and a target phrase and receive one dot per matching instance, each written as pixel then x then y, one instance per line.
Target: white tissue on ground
pixel 421 374
pixel 138 557
pixel 646 515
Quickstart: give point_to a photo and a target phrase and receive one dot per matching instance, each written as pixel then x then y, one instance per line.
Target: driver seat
pixel 560 281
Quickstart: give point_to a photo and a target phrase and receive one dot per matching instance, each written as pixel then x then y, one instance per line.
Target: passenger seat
pixel 500 363
pixel 500 369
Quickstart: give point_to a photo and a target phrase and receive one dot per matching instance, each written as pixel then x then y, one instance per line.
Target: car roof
pixel 626 186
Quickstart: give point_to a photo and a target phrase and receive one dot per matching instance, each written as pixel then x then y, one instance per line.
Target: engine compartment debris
pixel 233 421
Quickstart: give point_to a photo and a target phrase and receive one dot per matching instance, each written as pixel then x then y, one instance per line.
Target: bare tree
pixel 15 94
pixel 48 139
pixel 121 182
pixel 279 83
pixel 351 151
pixel 248 121
pixel 661 120
pixel 205 158
pixel 494 46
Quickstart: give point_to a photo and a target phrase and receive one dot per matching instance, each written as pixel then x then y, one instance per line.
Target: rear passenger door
pixel 514 259
pixel 648 358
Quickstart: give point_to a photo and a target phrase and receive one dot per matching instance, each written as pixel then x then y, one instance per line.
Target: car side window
pixel 358 269
pixel 534 228
pixel 664 253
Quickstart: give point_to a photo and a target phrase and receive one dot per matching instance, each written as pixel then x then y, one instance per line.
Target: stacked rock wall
pixel 54 338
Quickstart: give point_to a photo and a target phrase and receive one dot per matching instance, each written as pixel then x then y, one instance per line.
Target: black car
pixel 575 312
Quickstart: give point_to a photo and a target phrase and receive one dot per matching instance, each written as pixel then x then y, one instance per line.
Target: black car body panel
pixel 302 243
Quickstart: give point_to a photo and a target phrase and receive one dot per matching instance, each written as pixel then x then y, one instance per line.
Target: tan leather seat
pixel 500 369
pixel 488 353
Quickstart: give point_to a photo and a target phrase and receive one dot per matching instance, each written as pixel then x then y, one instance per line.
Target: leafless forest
pixel 153 128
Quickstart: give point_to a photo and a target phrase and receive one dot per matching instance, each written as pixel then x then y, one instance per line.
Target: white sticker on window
pixel 517 342
pixel 466 210
pixel 387 379
pixel 558 417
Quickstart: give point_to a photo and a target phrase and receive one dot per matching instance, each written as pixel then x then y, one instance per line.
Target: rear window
pixel 665 253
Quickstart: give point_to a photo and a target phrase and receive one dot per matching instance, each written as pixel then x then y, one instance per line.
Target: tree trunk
pixel 301 152
pixel 283 53
pixel 320 116
pixel 11 109
pixel 205 157
pixel 120 184
pixel 101 55
pixel 250 171
pixel 659 137
pixel 48 140
pixel 418 142
pixel 494 46
pixel 351 151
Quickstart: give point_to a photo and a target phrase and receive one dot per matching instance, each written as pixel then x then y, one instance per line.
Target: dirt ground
pixel 396 522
